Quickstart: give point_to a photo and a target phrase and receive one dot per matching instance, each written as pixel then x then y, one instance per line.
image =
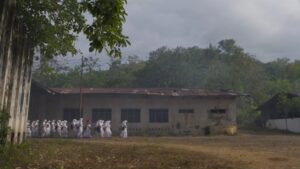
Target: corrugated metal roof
pixel 39 85
pixel 147 91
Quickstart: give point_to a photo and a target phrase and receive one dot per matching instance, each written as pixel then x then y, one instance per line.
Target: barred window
pixel 218 111
pixel 101 114
pixel 158 115
pixel 186 111
pixel 71 113
pixel 131 115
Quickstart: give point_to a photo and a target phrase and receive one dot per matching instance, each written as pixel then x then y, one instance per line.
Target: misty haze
pixel 146 84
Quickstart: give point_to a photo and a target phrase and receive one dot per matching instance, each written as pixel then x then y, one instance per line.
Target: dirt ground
pixel 244 151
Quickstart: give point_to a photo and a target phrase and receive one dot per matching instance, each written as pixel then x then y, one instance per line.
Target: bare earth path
pixel 257 151
pixel 245 151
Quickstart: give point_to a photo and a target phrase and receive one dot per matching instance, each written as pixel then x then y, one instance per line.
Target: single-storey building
pixel 159 111
pixel 279 113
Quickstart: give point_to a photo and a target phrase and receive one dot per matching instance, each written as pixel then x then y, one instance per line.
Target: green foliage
pixel 225 66
pixel 282 101
pixel 118 75
pixel 294 107
pixel 248 115
pixel 52 26
pixel 289 107
pixel 4 129
pixel 13 155
pixel 105 32
pixel 122 75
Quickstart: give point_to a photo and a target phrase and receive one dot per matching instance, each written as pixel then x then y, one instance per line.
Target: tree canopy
pixel 52 26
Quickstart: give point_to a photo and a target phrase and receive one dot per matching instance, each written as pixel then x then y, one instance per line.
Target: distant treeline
pixel 224 66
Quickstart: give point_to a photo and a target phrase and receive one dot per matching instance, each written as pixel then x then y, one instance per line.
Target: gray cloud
pixel 266 28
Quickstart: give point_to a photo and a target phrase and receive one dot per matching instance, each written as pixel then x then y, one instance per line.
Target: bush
pixel 4 129
pixel 14 155
pixel 247 115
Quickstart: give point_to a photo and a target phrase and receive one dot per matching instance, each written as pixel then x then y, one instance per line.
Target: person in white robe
pixel 87 130
pixel 64 129
pixel 48 129
pixel 28 133
pixel 80 128
pixel 124 133
pixel 53 129
pixel 44 128
pixel 98 128
pixel 107 129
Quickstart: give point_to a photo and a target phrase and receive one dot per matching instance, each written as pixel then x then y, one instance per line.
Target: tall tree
pixel 53 26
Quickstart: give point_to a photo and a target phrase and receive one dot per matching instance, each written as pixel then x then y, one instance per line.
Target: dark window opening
pixel 131 115
pixel 186 111
pixel 101 114
pixel 158 115
pixel 70 114
pixel 218 111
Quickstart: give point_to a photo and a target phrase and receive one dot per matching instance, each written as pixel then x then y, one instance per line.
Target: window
pixel 158 115
pixel 70 114
pixel 218 111
pixel 186 111
pixel 101 114
pixel 131 115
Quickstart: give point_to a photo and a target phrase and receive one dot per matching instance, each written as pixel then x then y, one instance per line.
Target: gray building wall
pixel 52 108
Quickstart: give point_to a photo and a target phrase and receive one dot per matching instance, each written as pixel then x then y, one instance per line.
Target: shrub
pixel 4 129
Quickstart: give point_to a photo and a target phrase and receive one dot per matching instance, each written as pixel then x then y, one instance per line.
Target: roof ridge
pixel 148 91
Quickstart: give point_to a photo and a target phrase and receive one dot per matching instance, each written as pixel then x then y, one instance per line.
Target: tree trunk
pixel 6 38
pixel 16 56
pixel 26 96
pixel 3 15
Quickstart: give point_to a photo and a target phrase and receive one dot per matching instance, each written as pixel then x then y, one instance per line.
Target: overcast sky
pixel 266 28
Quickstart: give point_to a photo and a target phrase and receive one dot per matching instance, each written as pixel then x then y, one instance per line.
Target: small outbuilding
pixel 282 112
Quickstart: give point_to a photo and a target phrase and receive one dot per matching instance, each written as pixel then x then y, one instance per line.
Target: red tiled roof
pixel 147 91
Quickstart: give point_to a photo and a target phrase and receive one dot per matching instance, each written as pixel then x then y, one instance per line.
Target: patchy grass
pixel 216 152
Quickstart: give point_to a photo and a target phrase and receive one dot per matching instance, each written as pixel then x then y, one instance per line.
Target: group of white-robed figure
pixel 103 129
pixel 60 128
